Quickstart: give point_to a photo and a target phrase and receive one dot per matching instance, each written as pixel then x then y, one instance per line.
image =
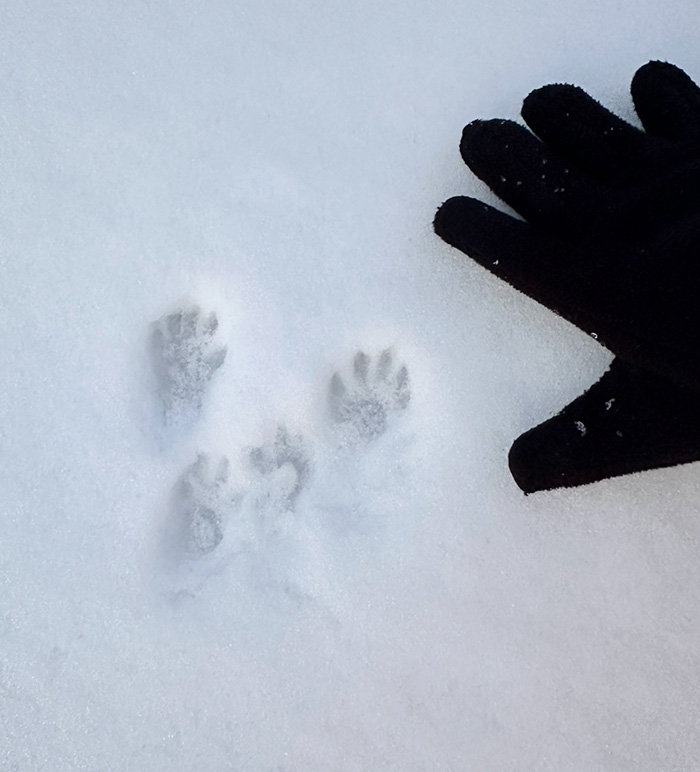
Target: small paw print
pixel 372 395
pixel 203 503
pixel 287 453
pixel 185 358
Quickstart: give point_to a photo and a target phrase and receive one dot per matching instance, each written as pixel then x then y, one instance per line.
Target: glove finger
pixel 667 101
pixel 629 421
pixel 573 281
pixel 588 136
pixel 492 238
pixel 539 265
pixel 528 176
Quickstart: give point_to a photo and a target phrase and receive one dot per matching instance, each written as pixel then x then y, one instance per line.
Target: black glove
pixel 613 226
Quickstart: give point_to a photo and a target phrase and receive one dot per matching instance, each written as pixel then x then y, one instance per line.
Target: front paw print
pixel 287 452
pixel 203 503
pixel 373 395
pixel 185 358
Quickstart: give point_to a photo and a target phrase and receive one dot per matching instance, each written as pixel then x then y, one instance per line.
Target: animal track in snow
pixel 284 466
pixel 204 502
pixel 185 357
pixel 374 393
pixel 207 509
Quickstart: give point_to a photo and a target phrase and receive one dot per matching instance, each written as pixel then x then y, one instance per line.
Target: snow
pixel 380 596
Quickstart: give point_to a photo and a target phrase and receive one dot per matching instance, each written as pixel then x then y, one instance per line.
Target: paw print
pixel 287 452
pixel 373 394
pixel 203 502
pixel 185 358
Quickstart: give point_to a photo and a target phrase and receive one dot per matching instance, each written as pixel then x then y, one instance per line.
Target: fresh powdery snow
pixel 254 416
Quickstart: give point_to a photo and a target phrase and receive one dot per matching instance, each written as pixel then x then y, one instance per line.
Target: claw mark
pixel 286 450
pixel 372 397
pixel 185 358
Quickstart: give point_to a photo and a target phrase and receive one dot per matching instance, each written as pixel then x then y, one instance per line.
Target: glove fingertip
pixel 479 230
pixel 453 219
pixel 546 102
pixel 527 467
pixel 667 100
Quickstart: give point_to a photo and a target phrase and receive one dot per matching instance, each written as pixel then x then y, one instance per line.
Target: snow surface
pixel 232 544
